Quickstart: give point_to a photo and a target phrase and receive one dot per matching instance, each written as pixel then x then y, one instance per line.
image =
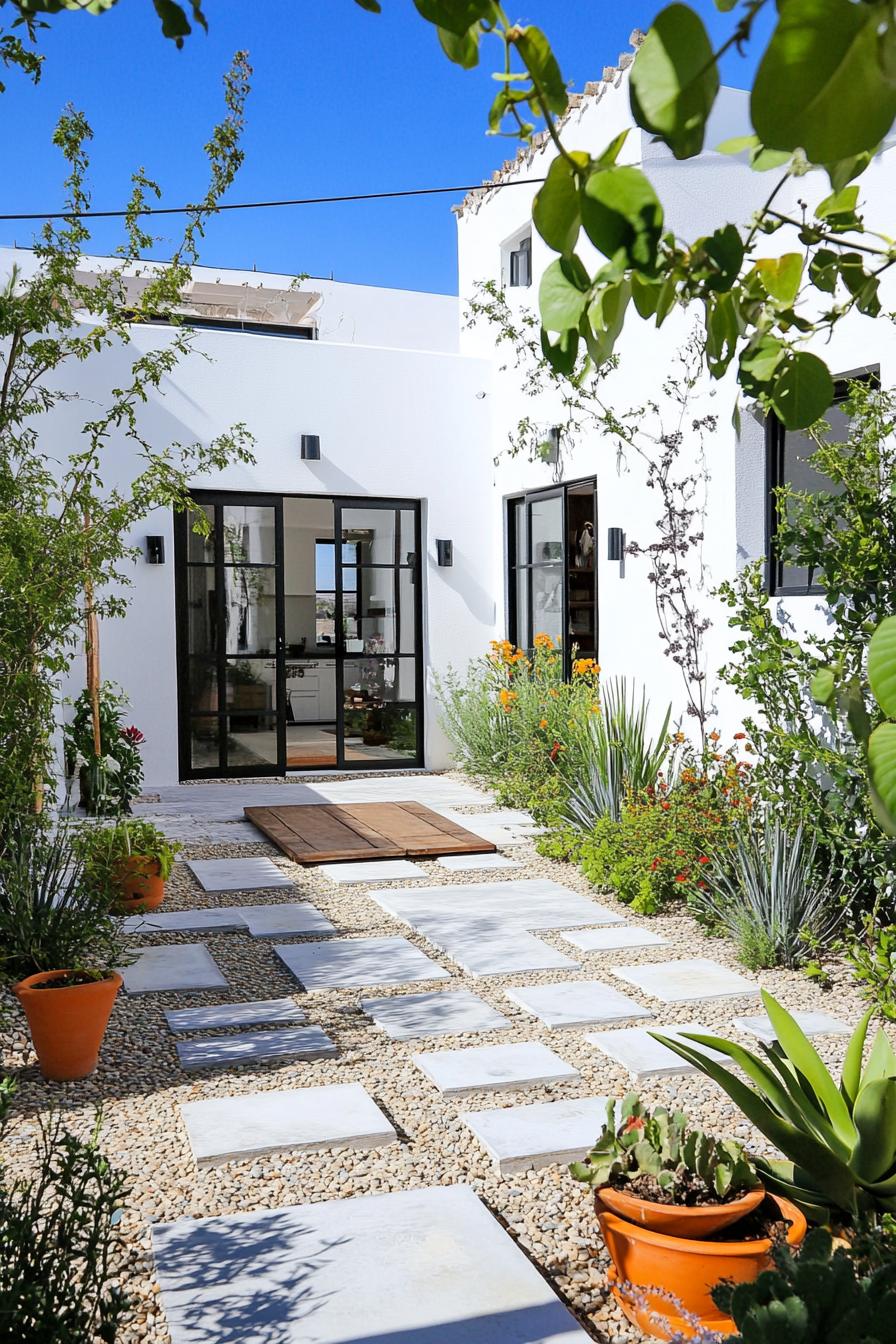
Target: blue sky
pixel 342 101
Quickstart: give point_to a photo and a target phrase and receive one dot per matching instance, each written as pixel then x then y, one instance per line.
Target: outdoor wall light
pixel 155 550
pixel 310 447
pixel 552 445
pixel 615 543
pixel 445 553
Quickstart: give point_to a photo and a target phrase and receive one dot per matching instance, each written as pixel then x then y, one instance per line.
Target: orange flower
pixel 678 738
pixel 543 641
pixel 739 737
pixel 543 723
pixel 585 667
pixel 714 736
pixel 507 698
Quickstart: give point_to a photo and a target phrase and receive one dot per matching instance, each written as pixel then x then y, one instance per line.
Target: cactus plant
pixel 661 1145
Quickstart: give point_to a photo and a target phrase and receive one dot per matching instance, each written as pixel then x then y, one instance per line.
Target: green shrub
pixel 111 780
pixel 103 849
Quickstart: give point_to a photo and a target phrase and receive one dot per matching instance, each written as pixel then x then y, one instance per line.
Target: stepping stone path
pixel 524 1138
pixel 384 870
pixel 486 1068
pixel 812 1024
pixel 472 863
pixel 527 903
pixel 262 921
pixel 608 940
pixel 255 1046
pixel 577 1003
pixel 343 1115
pixel 188 966
pixel 481 948
pixel 447 1013
pixel 358 962
pixel 429 1266
pixel 233 1015
pixel 687 981
pixel 643 1057
pixel 238 874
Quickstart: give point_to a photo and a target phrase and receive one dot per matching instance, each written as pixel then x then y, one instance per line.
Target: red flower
pixel 633 1122
pixel 665 806
pixel 704 859
pixel 679 853
pixel 702 885
pixel 739 737
pixel 681 877
pixel 133 736
pixel 555 751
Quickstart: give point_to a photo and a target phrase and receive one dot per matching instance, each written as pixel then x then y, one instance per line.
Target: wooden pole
pixel 92 652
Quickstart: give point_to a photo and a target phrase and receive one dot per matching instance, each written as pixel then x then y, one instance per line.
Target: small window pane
pixel 250 609
pixel 248 534
pixel 546 521
pixel 373 533
pixel 251 740
pixel 201 610
pixel 800 475
pixel 387 732
pixel 201 550
pixel 204 739
pixel 251 685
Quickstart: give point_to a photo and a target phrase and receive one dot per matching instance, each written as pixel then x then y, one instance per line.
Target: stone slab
pixel 290 918
pixel 493 1068
pixel 812 1024
pixel 262 1011
pixel 342 1115
pixel 449 1013
pixel 643 1057
pixel 523 903
pixel 497 951
pixel 224 919
pixel 238 874
pixel 691 980
pixel 524 1138
pixel 250 1047
pixel 354 962
pixel 473 863
pixel 577 1003
pixel 262 921
pixel 187 966
pixel 383 870
pixel 436 1268
pixel 610 939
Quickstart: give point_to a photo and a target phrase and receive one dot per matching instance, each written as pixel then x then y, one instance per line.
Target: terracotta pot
pixel 67 1025
pixel 141 884
pixel 672 1275
pixel 678 1220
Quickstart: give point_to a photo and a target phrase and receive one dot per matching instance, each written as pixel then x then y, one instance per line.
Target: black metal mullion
pixel 280 634
pixel 340 634
pixel 220 650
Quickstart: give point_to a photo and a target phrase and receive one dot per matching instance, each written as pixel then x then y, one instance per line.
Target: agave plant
pixel 839 1142
pixel 617 753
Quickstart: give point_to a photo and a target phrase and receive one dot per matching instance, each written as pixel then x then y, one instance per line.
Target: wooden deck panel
pixel 332 833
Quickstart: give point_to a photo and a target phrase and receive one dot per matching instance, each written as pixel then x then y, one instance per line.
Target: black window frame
pixel 306 333
pixel 522 250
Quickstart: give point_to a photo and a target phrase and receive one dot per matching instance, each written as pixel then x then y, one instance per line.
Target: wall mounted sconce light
pixel 615 543
pixel 445 553
pixel 155 550
pixel 310 447
pixel 552 445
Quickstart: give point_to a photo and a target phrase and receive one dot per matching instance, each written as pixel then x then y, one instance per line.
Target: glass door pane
pixel 547 572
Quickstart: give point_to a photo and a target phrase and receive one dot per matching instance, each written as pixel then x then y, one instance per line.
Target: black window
pixel 788 454
pixel 232 324
pixel 521 264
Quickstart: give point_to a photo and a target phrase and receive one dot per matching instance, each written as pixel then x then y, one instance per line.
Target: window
pixel 787 463
pixel 520 269
pixel 233 324
pixel 325 592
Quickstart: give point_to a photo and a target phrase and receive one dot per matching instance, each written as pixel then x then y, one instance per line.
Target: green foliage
pixel 675 81
pixel 872 955
pixel 838 1141
pixel 103 848
pixel 684 1162
pixel 58 1239
pixel 112 779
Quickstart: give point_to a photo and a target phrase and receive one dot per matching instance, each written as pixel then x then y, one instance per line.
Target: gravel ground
pixel 140 1085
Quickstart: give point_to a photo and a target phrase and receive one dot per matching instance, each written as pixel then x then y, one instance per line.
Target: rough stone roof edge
pixel 592 92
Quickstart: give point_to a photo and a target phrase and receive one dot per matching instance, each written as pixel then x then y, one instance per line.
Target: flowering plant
pixel 111 778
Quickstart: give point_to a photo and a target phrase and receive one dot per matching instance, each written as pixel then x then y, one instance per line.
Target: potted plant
pixel 132 859
pixel 59 945
pixel 110 780
pixel 679 1211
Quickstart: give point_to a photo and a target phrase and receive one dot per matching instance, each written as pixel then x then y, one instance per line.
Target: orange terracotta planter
pixel 67 1025
pixel 141 884
pixel 673 1277
pixel 678 1220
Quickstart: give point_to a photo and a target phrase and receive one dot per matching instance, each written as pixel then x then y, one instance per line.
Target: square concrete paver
pixel 578 1003
pixel 383 870
pixel 486 1068
pixel 279 921
pixel 436 1266
pixel 812 1024
pixel 643 1057
pixel 522 903
pixel 185 966
pixel 688 981
pixel 608 940
pixel 343 1115
pixel 447 1013
pixel 249 1047
pixel 224 919
pixel 237 874
pixel 493 950
pixel 473 863
pixel 521 1138
pixel 355 962
pixel 233 1015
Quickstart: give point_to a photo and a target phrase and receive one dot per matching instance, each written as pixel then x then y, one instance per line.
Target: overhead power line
pixel 269 205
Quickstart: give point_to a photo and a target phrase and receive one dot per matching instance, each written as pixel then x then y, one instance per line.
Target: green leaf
pixel 461 48
pixel 882 665
pixel 563 294
pixel 851 1073
pixel 561 355
pixel 838 203
pixel 722 332
pixel 851 702
pixel 455 16
pixel 824 269
pixel 645 294
pixel 541 63
pixel 802 390
pixel 807 1061
pixel 875 1120
pixel 622 216
pixel 555 210
pixel 738 144
pixel 372 6
pixel 820 85
pixel 725 250
pixel 822 685
pixel 844 171
pixel 882 774
pixel 175 23
pixel 781 276
pixel 611 153
pixel 881 1059
pixel 759 362
pixel 674 80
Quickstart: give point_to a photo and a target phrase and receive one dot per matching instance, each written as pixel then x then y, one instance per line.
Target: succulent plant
pixel 659 1144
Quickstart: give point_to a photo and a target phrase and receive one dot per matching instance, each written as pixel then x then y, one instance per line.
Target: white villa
pixel 384 533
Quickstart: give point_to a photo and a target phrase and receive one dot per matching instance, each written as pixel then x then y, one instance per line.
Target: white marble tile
pixel 223 919
pixel 692 980
pixel 609 939
pixel 524 1138
pixel 260 1012
pixel 492 1068
pixel 280 921
pixel 811 1024
pixel 350 962
pixel 292 918
pixel 436 1268
pixel 442 1013
pixel 250 1047
pixel 495 951
pixel 523 903
pixel 473 863
pixel 186 966
pixel 380 870
pixel 643 1057
pixel 577 1003
pixel 224 1129
pixel 237 874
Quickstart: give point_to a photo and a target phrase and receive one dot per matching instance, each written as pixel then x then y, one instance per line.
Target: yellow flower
pixel 553 693
pixel 678 738
pixel 585 667
pixel 595 708
pixel 543 641
pixel 543 723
